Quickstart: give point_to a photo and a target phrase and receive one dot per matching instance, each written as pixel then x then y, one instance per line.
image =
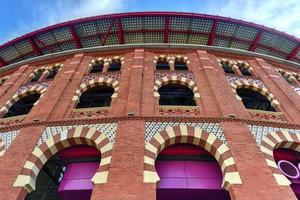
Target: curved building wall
pixel 134 129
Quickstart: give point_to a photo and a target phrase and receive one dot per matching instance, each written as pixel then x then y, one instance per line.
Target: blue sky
pixel 18 17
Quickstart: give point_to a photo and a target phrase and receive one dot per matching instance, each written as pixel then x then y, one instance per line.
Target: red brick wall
pixel 135 95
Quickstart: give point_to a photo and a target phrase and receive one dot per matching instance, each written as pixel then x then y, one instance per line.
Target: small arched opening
pixel 67 175
pixel 52 72
pixel 37 75
pixel 176 95
pixel 180 64
pixel 23 105
pixel 188 172
pixel 227 67
pixel 115 65
pixel 97 67
pixel 99 96
pixel 254 100
pixel 288 162
pixel 162 64
pixel 244 69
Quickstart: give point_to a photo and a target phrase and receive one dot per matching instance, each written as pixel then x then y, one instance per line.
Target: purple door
pixel 188 172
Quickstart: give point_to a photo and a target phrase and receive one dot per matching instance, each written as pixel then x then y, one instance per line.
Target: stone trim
pixel 191 135
pixel 262 90
pixel 171 58
pixel 177 80
pixel 96 82
pixel 275 140
pixel 75 136
pixel 2 147
pixel 34 89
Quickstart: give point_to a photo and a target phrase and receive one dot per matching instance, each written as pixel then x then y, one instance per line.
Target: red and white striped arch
pixel 176 80
pixel 275 140
pixel 75 136
pixel 190 135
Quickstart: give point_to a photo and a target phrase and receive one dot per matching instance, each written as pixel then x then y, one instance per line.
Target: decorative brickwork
pixel 97 82
pixel 266 115
pixel 234 78
pixel 44 84
pixel 2 147
pixel 176 80
pixel 12 120
pixel 179 110
pixel 262 90
pixel 89 112
pixel 75 136
pixel 274 140
pixel 112 75
pixel 159 74
pixel 191 135
pixel 35 89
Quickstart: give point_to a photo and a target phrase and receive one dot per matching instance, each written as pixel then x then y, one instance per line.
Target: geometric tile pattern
pixel 7 138
pixel 190 135
pixel 275 140
pixel 255 87
pixel 259 132
pixel 176 80
pixel 109 129
pixel 232 79
pixel 75 136
pixel 155 127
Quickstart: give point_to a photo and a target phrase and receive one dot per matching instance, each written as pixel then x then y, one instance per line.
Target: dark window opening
pixel 180 64
pixel 22 106
pixel 97 68
pixel 176 95
pixel 227 68
pixel 37 75
pixel 244 70
pixel 287 161
pixel 114 66
pixel 52 73
pixel 96 97
pixel 254 100
pixel 188 172
pixel 67 175
pixel 162 64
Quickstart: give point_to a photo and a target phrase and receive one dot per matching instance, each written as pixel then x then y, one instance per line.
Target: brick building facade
pixel 132 131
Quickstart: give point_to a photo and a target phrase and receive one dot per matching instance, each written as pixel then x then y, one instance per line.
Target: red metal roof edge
pixel 144 14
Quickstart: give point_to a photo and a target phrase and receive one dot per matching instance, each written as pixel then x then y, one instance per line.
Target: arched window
pixel 162 64
pixel 23 105
pixel 254 100
pixel 99 96
pixel 115 65
pixel 188 172
pixel 244 70
pixel 176 95
pixel 180 64
pixel 37 75
pixel 288 163
pixel 97 67
pixel 52 72
pixel 67 175
pixel 227 67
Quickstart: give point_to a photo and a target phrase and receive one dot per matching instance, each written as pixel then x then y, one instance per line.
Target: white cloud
pixel 278 14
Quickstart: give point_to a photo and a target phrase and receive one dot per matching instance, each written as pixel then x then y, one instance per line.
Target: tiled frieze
pixel 155 127
pixel 260 131
pixel 109 129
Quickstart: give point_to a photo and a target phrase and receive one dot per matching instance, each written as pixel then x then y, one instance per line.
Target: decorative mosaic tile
pixel 154 127
pixel 8 137
pixel 232 79
pixel 113 75
pixel 159 74
pixel 23 88
pixel 109 129
pixel 260 131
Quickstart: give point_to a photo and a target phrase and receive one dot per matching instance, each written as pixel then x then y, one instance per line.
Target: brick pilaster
pixel 125 179
pixel 257 178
